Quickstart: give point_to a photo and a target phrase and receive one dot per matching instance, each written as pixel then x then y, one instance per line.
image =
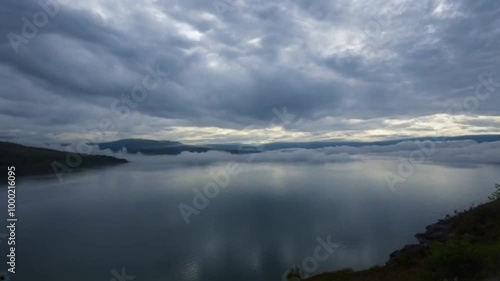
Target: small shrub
pixel 295 272
pixel 496 194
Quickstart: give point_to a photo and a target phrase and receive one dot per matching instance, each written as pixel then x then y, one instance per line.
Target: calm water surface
pixel 268 218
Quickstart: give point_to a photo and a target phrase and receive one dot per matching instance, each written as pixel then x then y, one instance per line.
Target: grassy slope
pixel 38 161
pixel 472 252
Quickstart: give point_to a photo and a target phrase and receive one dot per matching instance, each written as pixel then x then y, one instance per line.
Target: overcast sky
pixel 253 71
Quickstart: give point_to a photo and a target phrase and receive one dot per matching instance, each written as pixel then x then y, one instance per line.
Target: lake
pixel 125 220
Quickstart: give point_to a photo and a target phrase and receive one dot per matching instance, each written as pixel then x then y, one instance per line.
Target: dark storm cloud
pixel 231 67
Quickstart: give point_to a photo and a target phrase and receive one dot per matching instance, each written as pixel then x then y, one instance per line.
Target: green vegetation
pixel 496 193
pixel 465 246
pixel 38 161
pixel 295 273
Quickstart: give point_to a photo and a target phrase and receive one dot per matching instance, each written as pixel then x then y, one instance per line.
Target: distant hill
pixel 38 161
pixel 141 145
pixel 154 147
pixel 323 144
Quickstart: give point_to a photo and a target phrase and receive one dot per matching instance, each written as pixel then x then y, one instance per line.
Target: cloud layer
pixel 343 69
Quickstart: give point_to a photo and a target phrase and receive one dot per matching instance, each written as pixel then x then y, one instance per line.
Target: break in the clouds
pixel 251 71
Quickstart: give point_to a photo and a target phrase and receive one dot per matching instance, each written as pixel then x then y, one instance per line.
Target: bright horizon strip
pixel 362 130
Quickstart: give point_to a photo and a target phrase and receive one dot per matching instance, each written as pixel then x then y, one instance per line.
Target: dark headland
pixel 31 161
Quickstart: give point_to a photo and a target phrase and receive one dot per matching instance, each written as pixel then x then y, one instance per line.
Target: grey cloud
pixel 232 71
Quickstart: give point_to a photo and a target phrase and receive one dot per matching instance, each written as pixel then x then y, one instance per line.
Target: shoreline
pixel 33 161
pixel 464 246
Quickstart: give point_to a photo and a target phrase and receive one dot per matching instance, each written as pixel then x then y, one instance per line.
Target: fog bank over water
pixel 438 152
pixel 453 152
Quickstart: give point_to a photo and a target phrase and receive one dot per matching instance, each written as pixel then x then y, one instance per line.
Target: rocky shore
pixel 461 247
pixel 440 232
